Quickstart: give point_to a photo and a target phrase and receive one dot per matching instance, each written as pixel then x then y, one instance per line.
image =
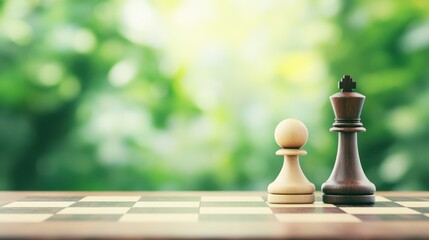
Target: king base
pixel 349 199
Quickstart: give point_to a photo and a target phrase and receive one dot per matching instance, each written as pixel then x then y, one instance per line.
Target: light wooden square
pixel 381 199
pixel 378 210
pixel 414 204
pixel 94 210
pixel 166 204
pixel 315 204
pixel 235 210
pixel 231 199
pixel 110 199
pixel 159 218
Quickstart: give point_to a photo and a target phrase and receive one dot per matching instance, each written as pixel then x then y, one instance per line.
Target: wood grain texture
pixel 206 230
pixel 291 185
pixel 291 180
pixel 348 183
pixel 348 177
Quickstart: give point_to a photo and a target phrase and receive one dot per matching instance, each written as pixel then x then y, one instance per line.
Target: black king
pixel 348 183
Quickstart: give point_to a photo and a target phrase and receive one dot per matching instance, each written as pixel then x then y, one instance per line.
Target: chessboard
pixel 205 215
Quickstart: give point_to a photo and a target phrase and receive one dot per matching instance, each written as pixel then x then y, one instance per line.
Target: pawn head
pixel 291 133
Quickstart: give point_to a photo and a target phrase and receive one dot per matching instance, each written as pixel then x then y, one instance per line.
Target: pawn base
pixel 349 199
pixel 290 198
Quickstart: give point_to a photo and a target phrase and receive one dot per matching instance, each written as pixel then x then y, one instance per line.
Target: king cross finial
pixel 347 84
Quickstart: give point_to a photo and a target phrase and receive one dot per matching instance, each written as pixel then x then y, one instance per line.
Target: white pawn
pixel 291 185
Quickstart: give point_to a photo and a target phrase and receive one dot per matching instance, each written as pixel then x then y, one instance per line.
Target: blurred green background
pixel 185 95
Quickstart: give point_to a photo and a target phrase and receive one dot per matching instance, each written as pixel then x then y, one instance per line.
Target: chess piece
pixel 291 186
pixel 348 183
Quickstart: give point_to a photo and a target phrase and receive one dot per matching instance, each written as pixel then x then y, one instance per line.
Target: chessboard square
pixel 306 210
pixel 233 204
pixel 305 205
pixel 38 204
pixel 385 204
pixel 164 210
pixel 94 210
pixel 169 199
pixel 110 199
pixel 322 204
pixel 414 204
pixel 237 210
pixel 84 217
pixel 237 218
pixel 51 198
pixel 381 199
pixel 29 210
pixel 23 218
pixel 316 217
pixel 407 199
pixel 392 217
pixel 422 210
pixel 232 199
pixel 103 204
pixel 166 204
pixel 159 218
pixel 378 210
pixel 376 204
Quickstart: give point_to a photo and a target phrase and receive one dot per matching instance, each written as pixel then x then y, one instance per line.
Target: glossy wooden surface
pixel 200 230
pixel 348 183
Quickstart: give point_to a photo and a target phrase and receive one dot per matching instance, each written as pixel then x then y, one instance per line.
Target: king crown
pixel 347 84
